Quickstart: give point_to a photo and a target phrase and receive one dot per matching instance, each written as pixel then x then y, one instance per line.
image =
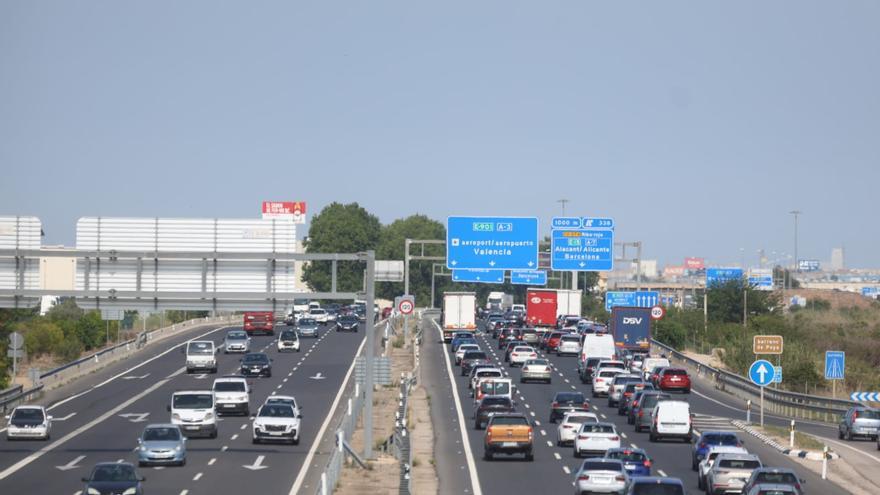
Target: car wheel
pixel 638 428
pixel 182 463
pixel 477 425
pixel 255 440
pixel 141 464
pixel 577 453
pixel 487 455
pixel 693 463
pixel 839 434
pixel 700 484
pixel 522 380
pixel 849 435
pixel 530 457
pixel 549 381
pixel 652 437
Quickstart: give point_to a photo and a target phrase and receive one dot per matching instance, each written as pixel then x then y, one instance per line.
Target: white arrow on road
pixel 132 377
pixel 318 376
pixel 257 465
pixel 762 370
pixel 64 418
pixel 71 465
pixel 135 417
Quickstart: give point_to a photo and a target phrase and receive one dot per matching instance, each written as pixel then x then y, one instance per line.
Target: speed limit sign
pixel 657 312
pixel 406 305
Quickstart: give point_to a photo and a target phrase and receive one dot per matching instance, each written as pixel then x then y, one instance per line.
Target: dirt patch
pixel 712 360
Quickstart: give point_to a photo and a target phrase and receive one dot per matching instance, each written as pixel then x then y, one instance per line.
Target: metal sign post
pixel 761 372
pixel 369 354
pixel 16 343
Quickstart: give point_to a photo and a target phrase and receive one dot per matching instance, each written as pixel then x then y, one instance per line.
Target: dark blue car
pixel 655 486
pixel 114 477
pixel 635 461
pixel 710 439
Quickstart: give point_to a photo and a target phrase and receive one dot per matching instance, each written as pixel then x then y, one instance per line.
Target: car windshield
pixel 627 456
pixel 776 478
pixel 475 355
pixel 27 414
pixel 569 397
pixel 200 348
pixel 579 419
pixel 509 421
pixel 675 372
pixel 597 428
pixel 488 373
pixel 317 311
pixel 468 347
pixel 495 388
pixel 571 338
pixel 236 336
pixel 626 379
pixel 523 349
pixel 235 386
pixel 601 466
pixel 739 464
pixel 868 414
pixel 496 401
pixel 720 439
pixel 348 319
pixel 608 373
pixel 161 434
pixel 114 472
pixel 654 488
pixel 651 400
pixel 276 411
pixel 193 401
pixel 537 362
pixel 256 358
pixel 283 402
pixel 300 302
pixel 307 322
pixel 592 362
pixel 288 335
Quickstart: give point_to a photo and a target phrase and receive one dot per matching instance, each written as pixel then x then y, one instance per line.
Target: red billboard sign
pixel 293 210
pixel 695 263
pixel 673 271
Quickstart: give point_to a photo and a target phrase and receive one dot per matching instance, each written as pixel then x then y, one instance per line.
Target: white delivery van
pixel 193 411
pixel 671 419
pixel 232 395
pixel 200 356
pixel 598 346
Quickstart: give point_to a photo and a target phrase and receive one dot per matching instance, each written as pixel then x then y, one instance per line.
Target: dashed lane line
pixel 661 473
pixel 212 461
pixel 197 477
pixel 556 454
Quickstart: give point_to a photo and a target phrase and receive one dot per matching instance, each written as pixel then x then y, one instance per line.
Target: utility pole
pixel 797 265
pixel 574 279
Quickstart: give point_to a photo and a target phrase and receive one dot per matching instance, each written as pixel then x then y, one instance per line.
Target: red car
pixel 259 321
pixel 674 379
pixel 553 341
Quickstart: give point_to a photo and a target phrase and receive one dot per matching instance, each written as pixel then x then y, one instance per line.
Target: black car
pixel 490 405
pixel 564 402
pixel 349 323
pixel 114 477
pixel 585 369
pixel 472 358
pixel 256 364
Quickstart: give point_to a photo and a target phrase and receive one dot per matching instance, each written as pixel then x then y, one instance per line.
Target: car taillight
pixel 647 464
pixel 614 438
pixel 567 427
pixel 620 477
pixel 530 434
pixel 703 445
pixel 489 433
pixel 582 437
pixel 641 413
pixel 855 415
pixel 584 477
pixel 586 405
pixel 600 380
pixel 555 404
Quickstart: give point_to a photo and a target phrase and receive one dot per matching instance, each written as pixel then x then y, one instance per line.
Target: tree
pixel 392 247
pixel 40 336
pixel 726 301
pixel 340 228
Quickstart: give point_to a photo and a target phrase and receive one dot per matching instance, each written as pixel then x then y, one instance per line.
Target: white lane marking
pixel 566 381
pixel 119 461
pixel 224 448
pixel 197 476
pixel 622 435
pixel 66 438
pixel 537 423
pixel 603 416
pixel 661 473
pixel 527 406
pixel 243 426
pixel 184 492
pixel 212 461
pixel 543 433
pixel 549 443
pixel 567 471
pixel 573 387
pixel 233 437
pixel 64 418
pixel 634 446
pixel 297 483
pixel 556 455
pixel 284 380
pixel 533 413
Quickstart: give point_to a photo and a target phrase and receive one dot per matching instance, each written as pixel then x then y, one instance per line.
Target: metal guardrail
pixel 11 401
pixel 780 402
pixel 10 391
pixel 401 436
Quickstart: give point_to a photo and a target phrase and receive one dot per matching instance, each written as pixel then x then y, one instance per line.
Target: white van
pixel 193 412
pixel 231 395
pixel 672 419
pixel 650 363
pixel 597 346
pixel 200 356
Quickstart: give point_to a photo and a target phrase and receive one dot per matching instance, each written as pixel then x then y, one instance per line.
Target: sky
pixel 696 125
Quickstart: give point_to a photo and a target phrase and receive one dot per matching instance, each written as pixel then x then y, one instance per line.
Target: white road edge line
pixel 297 483
pixel 469 456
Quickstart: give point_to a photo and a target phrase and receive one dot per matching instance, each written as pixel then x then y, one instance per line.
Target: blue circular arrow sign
pixel 761 372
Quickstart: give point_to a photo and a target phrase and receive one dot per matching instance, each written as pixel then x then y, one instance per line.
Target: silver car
pixel 615 391
pixel 642 419
pixel 767 488
pixel 859 421
pixel 308 327
pixel 161 444
pixel 598 475
pixel 730 472
pixel 536 369
pixel 236 341
pixel 31 422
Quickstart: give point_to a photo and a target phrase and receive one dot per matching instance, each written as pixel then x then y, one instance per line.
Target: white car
pixel 522 353
pixel 459 353
pixel 570 424
pixel 601 476
pixel 596 438
pixel 231 395
pixel 569 344
pixel 288 341
pixel 319 315
pixel 671 418
pixel 29 422
pixel 285 399
pixel 481 373
pixel 706 464
pixel 536 370
pixel 277 422
pixel 602 380
pixel 611 364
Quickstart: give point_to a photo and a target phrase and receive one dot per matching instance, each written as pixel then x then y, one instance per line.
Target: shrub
pixel 41 336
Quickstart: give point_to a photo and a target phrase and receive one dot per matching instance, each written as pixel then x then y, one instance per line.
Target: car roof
pixel 777 487
pixel 161 425
pixel 509 415
pixel 230 379
pixel 727 449
pixel 775 469
pixel 717 432
pixel 629 449
pixel 737 456
pixel 656 480
pixel 193 391
pixel 579 413
pixel 30 407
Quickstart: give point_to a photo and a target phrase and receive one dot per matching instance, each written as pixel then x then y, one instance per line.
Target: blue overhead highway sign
pixel 481 276
pixel 637 299
pixel 722 275
pixel 598 223
pixel 582 250
pixel 528 277
pixel 566 223
pixel 761 372
pixel 870 291
pixel 835 365
pixel 761 278
pixel 499 243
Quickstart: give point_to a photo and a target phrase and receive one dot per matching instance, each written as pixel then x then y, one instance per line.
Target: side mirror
pixel 299 416
pixel 139 440
pixel 142 478
pixel 168 408
pixel 8 416
pixel 49 418
pixel 183 439
pixel 803 481
pixel 85 480
pixel 183 350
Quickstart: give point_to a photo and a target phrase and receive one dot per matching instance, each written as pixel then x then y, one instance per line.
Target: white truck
pixel 459 313
pixel 568 302
pixel 499 301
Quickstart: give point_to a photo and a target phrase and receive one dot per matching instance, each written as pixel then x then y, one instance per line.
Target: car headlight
pixel 175 417
pixel 92 491
pixel 178 448
pixel 130 491
pixel 142 448
pixel 209 416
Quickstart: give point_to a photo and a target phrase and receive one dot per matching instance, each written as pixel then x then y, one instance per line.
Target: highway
pixel 554 467
pixel 103 416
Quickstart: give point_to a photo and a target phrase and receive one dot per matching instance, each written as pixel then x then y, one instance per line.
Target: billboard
pixel 808 265
pixel 290 210
pixel 695 264
pixel 673 271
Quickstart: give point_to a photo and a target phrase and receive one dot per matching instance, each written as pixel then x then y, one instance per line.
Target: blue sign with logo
pixel 598 223
pixel 582 250
pixel 566 223
pixel 835 365
pixel 492 243
pixel 721 276
pixel 761 278
pixel 777 374
pixel 528 277
pixel 808 265
pixel 637 299
pixel 480 276
pixel 871 292
pixel 762 372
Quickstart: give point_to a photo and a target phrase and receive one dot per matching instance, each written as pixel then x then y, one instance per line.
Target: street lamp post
pixel 797 265
pixel 574 279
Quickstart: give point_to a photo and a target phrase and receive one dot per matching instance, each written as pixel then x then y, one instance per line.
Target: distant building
pixel 649 268
pixel 837 259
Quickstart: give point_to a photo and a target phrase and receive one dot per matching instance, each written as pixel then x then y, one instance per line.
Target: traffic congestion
pixel 617 416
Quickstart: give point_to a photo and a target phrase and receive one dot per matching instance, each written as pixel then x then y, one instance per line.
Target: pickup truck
pixel 508 433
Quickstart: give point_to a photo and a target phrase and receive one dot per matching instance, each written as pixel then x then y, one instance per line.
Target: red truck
pixel 541 307
pixel 259 321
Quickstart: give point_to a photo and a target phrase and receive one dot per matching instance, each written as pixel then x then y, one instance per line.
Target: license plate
pixel 736 481
pixel 602 480
pixel 191 427
pixel 275 433
pixel 508 444
pixel 228 405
